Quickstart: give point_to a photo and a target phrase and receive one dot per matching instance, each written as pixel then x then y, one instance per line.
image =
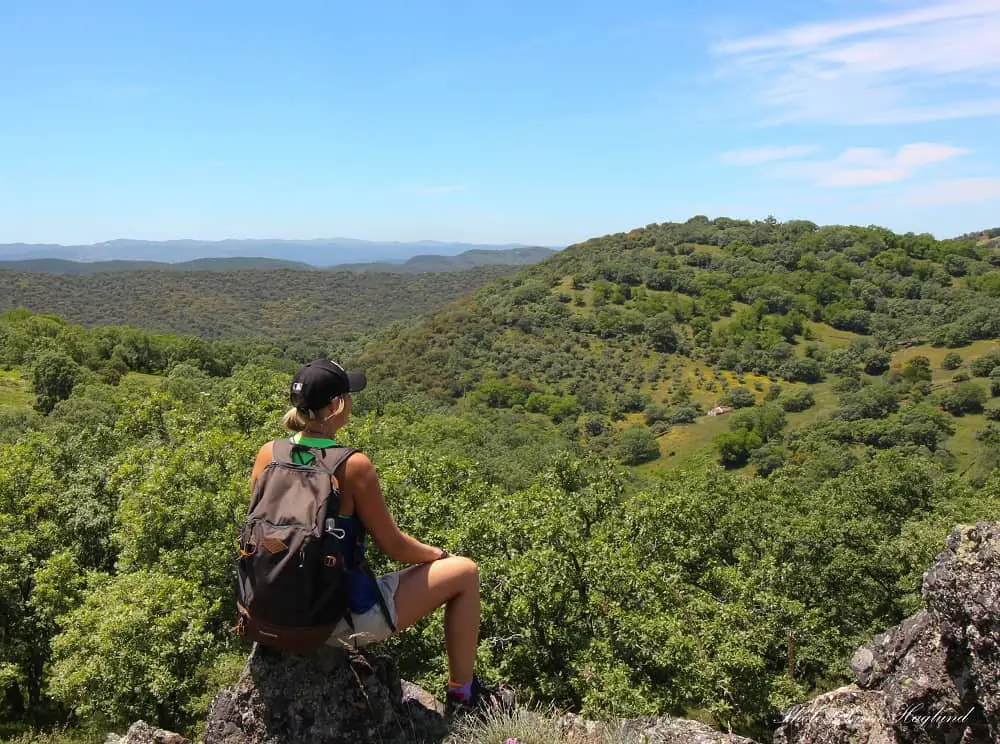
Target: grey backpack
pixel 291 576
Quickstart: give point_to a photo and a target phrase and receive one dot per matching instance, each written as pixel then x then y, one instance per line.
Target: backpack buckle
pixel 330 527
pixel 329 561
pixel 244 553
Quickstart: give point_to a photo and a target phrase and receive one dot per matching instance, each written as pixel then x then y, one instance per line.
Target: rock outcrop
pixel 335 697
pixel 141 732
pixel 330 698
pixel 933 679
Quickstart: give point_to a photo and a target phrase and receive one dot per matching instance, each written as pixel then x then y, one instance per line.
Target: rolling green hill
pixel 315 252
pixel 643 332
pixel 630 340
pixel 989 237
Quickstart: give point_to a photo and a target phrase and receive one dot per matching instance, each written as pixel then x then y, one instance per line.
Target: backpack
pixel 291 589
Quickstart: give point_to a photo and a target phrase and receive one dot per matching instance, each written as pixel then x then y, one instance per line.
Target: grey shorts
pixel 370 626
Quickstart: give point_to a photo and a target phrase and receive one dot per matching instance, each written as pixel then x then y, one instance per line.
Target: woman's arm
pixel 360 481
pixel 264 456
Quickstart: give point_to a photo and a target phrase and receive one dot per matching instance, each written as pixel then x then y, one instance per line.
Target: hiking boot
pixel 482 699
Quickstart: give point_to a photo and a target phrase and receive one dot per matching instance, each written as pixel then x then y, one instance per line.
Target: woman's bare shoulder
pixel 264 456
pixel 358 467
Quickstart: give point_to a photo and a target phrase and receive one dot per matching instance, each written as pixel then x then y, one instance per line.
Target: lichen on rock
pixel 933 679
pixel 333 697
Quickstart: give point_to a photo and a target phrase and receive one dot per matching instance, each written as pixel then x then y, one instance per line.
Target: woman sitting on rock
pixel 321 398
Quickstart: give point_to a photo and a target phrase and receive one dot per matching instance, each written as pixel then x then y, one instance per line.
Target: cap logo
pixel 296 387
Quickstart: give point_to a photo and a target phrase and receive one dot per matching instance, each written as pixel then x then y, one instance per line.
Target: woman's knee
pixel 467 567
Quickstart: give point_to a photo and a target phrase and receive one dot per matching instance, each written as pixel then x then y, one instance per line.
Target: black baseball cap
pixel 322 380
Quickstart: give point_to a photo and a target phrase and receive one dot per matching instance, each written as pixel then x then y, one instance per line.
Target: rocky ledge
pixel 933 679
pixel 330 698
pixel 335 698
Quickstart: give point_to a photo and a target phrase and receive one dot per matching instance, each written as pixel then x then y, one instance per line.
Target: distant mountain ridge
pixel 65 266
pixel 318 252
pixel 469 259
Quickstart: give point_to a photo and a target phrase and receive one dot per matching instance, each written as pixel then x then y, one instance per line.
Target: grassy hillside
pixel 695 439
pixel 627 342
pixel 647 330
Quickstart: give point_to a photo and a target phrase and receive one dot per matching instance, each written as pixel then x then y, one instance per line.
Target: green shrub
pixel 802 370
pixel 134 649
pixel 636 445
pixel 917 369
pixel 739 397
pixel 985 364
pixel 962 398
pixel 735 447
pixel 798 401
pixel 952 360
pixel 876 361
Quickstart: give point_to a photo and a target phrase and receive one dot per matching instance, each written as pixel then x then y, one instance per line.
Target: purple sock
pixel 463 692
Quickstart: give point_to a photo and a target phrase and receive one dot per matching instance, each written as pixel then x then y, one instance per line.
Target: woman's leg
pixel 453 582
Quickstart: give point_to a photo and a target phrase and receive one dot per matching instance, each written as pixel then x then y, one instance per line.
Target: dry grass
pixel 58 735
pixel 936 355
pixel 525 726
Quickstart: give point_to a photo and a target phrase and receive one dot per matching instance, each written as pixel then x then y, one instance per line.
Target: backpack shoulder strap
pixel 333 457
pixel 281 450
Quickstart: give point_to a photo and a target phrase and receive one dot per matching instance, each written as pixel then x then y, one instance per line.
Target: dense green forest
pixel 723 582
pixel 320 306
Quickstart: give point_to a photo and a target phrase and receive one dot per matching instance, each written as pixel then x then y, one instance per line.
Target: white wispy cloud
pixel 868 166
pixel 767 154
pixel 939 61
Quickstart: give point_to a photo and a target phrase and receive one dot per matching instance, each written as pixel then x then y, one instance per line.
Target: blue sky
pixel 532 122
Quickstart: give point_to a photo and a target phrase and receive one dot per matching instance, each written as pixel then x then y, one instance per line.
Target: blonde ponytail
pixel 294 420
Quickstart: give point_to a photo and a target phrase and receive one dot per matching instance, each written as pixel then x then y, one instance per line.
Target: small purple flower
pixel 512 741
